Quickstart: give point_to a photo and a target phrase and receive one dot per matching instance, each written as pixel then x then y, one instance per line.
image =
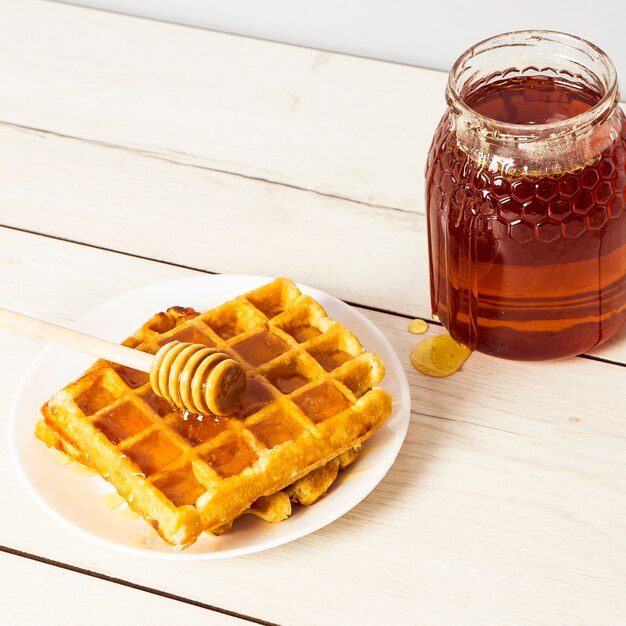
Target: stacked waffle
pixel 311 401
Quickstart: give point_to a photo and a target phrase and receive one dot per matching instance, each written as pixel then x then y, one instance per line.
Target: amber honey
pixel 439 356
pixel 184 472
pixel 527 233
pixel 417 327
pixel 116 504
pixel 74 467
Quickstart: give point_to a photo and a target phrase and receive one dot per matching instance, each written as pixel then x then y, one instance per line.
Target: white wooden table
pixel 133 152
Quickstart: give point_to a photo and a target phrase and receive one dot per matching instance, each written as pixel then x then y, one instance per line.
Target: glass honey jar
pixel 525 197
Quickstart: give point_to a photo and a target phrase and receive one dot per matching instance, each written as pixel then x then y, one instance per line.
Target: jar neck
pixel 534 146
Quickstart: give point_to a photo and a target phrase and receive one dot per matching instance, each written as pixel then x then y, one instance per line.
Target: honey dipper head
pixel 198 379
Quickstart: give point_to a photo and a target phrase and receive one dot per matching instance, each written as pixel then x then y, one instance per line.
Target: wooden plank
pixel 365 254
pixel 126 201
pixel 506 499
pixel 38 593
pixel 311 119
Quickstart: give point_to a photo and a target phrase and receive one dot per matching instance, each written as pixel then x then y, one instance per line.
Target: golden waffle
pixel 310 400
pixel 272 508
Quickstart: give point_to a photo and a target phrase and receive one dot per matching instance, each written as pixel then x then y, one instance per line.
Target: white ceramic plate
pixel 77 500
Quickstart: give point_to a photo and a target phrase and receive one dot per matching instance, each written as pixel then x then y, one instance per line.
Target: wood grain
pixel 142 152
pixel 57 597
pixel 504 506
pixel 305 118
pixel 126 201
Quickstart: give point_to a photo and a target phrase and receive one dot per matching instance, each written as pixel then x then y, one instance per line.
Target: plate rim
pixel 402 416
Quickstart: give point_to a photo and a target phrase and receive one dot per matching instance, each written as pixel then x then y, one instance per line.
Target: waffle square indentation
pixel 230 458
pixel 289 376
pixel 103 390
pixel 160 406
pixel 261 348
pixel 322 401
pixel 275 428
pixel 265 300
pixel 257 396
pixel 153 452
pixel 197 429
pixel 180 486
pixel 230 320
pixel 133 378
pixel 121 422
pixel 304 322
pixel 191 334
pixel 330 359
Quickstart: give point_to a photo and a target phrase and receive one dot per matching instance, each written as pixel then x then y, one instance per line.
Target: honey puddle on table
pixel 417 327
pixel 439 356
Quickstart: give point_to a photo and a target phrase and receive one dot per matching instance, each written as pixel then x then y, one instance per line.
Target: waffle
pixel 309 405
pixel 272 508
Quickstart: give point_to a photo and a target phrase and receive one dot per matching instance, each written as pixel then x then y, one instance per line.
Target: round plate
pixel 77 500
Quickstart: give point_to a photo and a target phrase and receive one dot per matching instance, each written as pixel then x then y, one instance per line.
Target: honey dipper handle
pixel 74 339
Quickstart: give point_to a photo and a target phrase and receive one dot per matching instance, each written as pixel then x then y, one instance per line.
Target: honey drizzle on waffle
pixel 303 369
pixel 282 369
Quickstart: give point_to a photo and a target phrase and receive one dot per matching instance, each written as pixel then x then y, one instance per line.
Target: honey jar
pixel 525 196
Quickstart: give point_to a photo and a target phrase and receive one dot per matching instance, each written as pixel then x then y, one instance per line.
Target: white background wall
pixel 430 34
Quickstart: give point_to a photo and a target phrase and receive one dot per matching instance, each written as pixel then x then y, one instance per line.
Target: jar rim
pixel 531 132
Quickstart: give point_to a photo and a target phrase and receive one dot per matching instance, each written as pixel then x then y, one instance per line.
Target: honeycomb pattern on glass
pixel 542 209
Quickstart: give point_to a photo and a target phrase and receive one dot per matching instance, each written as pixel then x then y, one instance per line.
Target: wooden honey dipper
pixel 191 376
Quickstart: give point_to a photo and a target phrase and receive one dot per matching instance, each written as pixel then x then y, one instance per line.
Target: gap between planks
pixel 431 321
pixel 169 159
pixel 131 585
